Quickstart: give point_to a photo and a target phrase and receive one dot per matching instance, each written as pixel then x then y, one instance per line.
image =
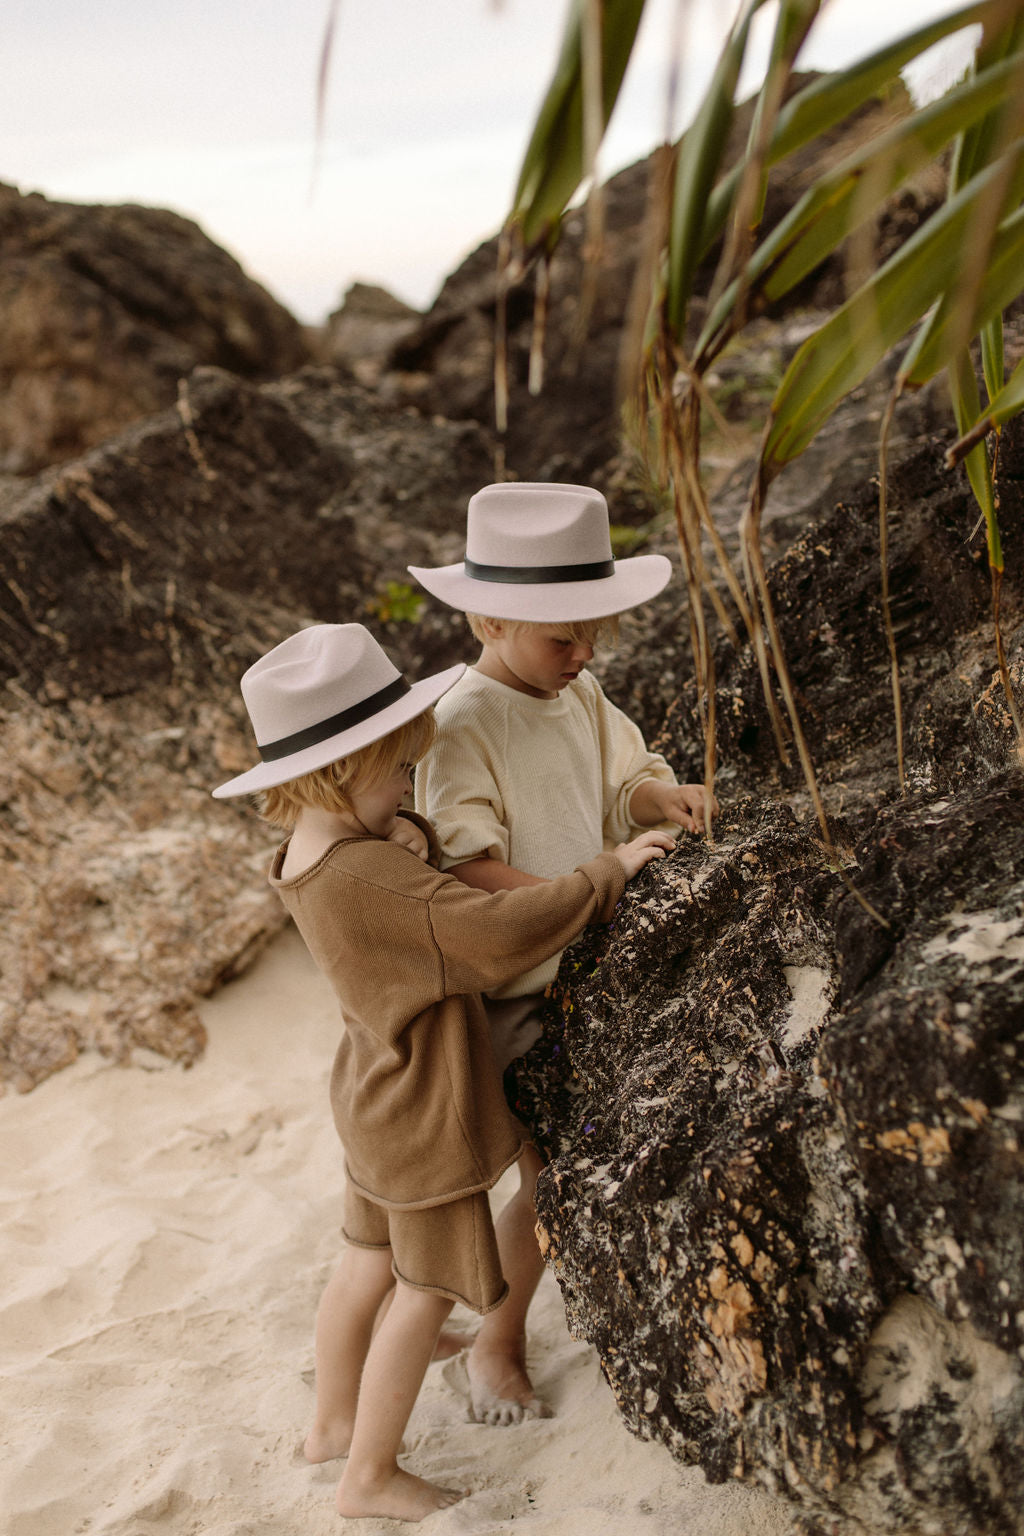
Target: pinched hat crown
pixel 324 692
pixel 315 684
pixel 542 551
pixel 540 533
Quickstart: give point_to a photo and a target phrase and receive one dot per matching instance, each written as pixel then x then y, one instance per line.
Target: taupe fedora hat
pixel 542 551
pixel 322 693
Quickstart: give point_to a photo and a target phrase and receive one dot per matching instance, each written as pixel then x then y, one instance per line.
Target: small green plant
pixel 395 603
pixel 625 539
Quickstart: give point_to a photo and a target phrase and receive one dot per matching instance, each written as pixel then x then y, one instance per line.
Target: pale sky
pixel 209 107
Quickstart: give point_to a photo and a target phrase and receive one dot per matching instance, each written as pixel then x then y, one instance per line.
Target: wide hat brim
pixel 419 698
pixel 634 581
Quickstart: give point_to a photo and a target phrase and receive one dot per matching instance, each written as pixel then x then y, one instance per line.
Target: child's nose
pixel 583 652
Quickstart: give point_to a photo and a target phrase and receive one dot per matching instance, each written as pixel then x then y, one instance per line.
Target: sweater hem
pixel 426 1201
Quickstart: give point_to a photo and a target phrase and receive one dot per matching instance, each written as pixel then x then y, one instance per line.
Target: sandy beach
pixel 166 1236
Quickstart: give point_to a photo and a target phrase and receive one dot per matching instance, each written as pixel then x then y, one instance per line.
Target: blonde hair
pixel 584 631
pixel 331 788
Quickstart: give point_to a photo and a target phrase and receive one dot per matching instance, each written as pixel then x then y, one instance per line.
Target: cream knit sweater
pixel 543 784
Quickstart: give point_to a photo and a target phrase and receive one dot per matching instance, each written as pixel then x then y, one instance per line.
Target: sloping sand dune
pixel 166 1236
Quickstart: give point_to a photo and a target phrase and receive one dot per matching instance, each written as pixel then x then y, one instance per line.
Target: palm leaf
pixel 963 388
pixel 832 209
pixel 825 103
pixel 554 164
pixel 795 20
pixel 1002 282
pixel 700 155
pixel 978 145
pixel 1002 407
pixel 838 356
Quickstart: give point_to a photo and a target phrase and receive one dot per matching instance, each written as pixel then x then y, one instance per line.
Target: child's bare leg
pixel 500 1389
pixel 344 1327
pixel 373 1483
pixel 450 1341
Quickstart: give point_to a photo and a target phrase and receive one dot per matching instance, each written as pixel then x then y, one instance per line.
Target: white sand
pixel 166 1236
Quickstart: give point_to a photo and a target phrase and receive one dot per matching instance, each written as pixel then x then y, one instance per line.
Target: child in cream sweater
pixel 533 770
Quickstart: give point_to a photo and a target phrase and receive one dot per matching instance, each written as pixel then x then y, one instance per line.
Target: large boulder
pixel 785 1195
pixel 138 584
pixel 782 1095
pixel 104 309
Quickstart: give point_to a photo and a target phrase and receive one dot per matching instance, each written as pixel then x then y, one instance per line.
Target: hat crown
pixel 312 676
pixel 530 524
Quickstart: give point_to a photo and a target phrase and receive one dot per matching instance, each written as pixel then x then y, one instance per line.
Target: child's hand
pixel 689 805
pixel 649 845
pixel 654 800
pixel 408 835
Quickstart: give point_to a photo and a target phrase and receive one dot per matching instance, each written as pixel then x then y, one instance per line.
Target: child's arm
pixel 486 941
pixel 654 801
pixel 487 874
pixel 640 787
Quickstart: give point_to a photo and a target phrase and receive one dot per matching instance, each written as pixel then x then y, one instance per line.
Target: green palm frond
pixel 555 162
pixel 836 358
pixel 946 287
pixel 847 196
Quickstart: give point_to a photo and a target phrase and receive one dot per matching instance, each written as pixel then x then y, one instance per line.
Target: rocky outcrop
pixel 572 430
pixel 784 1200
pixel 103 310
pixel 783 1096
pixel 138 584
pixel 367 327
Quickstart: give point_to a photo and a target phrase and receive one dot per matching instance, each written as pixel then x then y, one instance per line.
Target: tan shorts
pixel 448 1249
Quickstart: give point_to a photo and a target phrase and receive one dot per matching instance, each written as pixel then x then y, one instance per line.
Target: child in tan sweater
pixel 534 771
pixel 414 1090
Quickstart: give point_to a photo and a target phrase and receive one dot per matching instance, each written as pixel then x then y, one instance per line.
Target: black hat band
pixel 531 575
pixel 285 746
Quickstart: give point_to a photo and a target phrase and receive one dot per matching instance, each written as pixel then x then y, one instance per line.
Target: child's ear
pixel 493 628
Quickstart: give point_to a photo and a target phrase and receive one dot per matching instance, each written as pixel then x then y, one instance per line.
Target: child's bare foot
pixel 397 1496
pixel 324 1443
pixel 500 1390
pixel 451 1342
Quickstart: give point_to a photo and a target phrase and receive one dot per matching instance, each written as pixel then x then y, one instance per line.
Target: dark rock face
pixel 137 585
pixel 370 323
pixel 139 564
pixel 826 595
pixel 784 1196
pixel 103 310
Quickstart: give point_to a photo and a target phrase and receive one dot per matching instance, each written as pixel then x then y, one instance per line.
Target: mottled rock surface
pixel 785 1190
pixel 137 585
pixel 103 310
pixel 366 328
pixel 785 1196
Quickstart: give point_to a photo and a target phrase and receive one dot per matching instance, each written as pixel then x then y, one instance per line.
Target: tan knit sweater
pixel 415 1093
